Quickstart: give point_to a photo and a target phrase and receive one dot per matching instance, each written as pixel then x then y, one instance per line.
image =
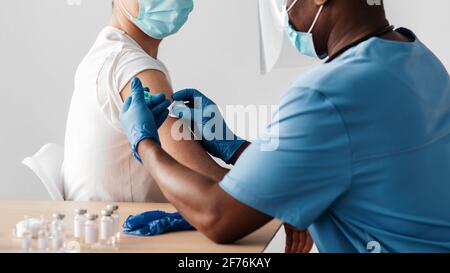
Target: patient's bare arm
pixel 187 152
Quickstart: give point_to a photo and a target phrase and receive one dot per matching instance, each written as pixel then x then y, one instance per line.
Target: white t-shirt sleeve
pixel 119 68
pixel 132 63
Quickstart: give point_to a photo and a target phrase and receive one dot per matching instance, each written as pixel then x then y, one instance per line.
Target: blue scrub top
pixel 363 155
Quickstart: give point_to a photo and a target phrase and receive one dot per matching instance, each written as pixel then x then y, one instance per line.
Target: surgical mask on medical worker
pixel 303 41
pixel 161 18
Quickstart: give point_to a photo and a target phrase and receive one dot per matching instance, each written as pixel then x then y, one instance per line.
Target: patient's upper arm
pixel 154 79
pixel 158 83
pixel 188 152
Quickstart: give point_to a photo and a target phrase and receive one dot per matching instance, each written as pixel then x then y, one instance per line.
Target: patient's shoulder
pixel 121 59
pixel 123 55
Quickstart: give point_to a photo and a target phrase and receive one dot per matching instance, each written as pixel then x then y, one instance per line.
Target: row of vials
pixel 88 232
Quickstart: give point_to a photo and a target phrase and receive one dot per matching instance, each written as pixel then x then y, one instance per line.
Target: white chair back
pixel 47 164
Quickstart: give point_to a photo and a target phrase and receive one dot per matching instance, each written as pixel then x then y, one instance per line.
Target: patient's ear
pixel 132 6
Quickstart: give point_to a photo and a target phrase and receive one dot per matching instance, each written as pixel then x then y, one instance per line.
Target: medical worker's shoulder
pixel 343 77
pixel 321 91
pixel 307 104
pixel 310 84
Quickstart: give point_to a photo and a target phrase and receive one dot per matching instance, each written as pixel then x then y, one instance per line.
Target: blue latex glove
pixel 153 223
pixel 140 119
pixel 157 100
pixel 200 110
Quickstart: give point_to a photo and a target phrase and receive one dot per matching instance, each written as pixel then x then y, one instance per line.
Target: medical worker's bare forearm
pixel 199 198
pixel 190 153
pixel 189 191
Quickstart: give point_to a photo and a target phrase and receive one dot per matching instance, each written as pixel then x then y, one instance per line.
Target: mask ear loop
pixel 124 9
pixel 315 19
pixel 291 6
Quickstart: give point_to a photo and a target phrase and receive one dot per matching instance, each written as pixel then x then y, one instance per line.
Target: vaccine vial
pixel 26 241
pixel 42 240
pixel 106 227
pixel 57 222
pixel 57 231
pixel 91 229
pixel 116 218
pixel 78 224
pixel 57 240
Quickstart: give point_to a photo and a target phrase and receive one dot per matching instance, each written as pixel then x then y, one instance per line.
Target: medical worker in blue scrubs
pixel 363 154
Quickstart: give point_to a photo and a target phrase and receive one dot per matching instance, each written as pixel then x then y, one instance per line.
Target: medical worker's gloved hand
pixel 155 223
pixel 208 122
pixel 157 103
pixel 140 119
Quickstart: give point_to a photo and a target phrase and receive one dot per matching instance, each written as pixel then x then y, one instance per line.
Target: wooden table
pixel 179 242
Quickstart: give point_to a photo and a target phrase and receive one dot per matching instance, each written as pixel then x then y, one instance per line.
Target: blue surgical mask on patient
pixel 161 18
pixel 303 41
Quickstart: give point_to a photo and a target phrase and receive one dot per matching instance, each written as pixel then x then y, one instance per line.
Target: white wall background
pixel 42 42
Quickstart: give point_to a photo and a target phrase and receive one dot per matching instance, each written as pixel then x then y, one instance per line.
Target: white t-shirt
pixel 98 164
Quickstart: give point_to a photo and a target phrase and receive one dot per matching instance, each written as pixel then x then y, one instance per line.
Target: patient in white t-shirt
pixel 98 164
